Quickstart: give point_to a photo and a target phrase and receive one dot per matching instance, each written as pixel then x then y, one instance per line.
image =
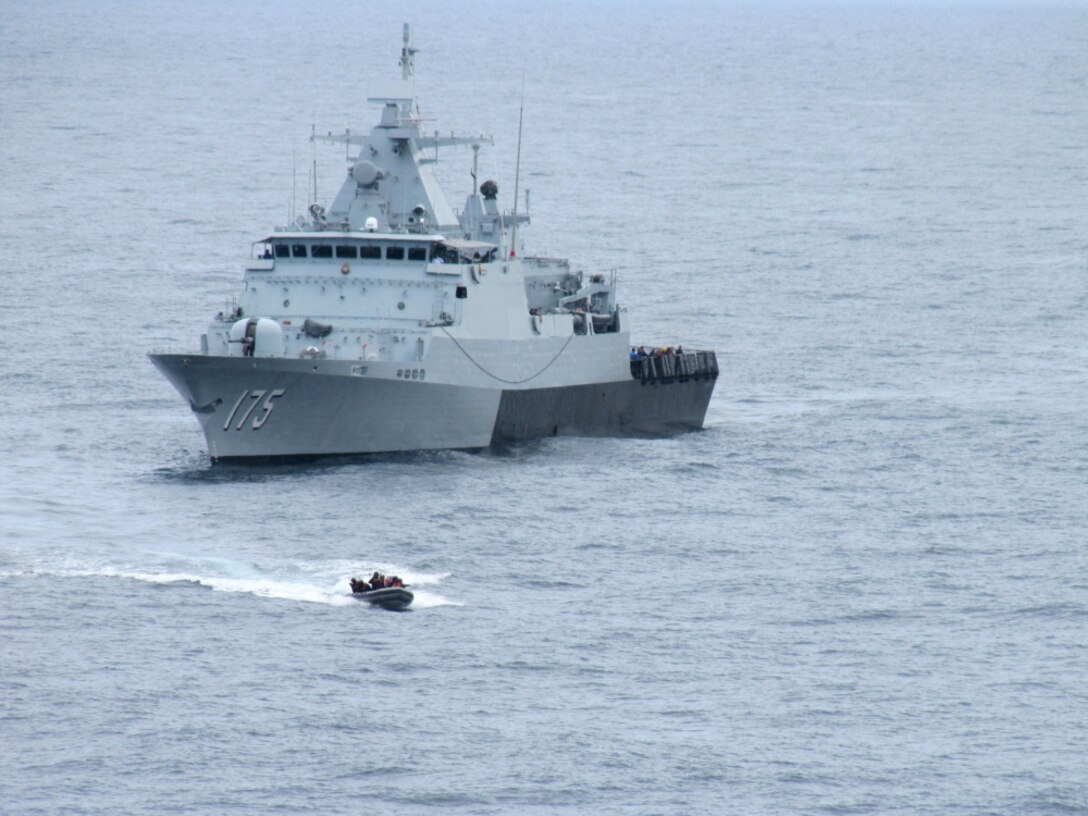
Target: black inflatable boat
pixel 387 598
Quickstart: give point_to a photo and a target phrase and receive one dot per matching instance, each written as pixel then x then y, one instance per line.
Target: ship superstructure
pixel 391 321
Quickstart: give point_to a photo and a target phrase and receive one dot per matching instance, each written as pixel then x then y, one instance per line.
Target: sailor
pixel 377 580
pixel 634 353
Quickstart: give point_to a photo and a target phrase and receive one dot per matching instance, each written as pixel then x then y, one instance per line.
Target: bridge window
pixel 283 251
pixel 298 250
pixel 346 251
pixel 321 251
pixel 394 253
pixel 417 254
pixel 373 252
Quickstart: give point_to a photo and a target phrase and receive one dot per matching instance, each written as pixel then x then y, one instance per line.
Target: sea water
pixel 861 589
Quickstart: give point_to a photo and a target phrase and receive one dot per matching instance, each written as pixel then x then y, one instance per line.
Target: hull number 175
pixel 247 404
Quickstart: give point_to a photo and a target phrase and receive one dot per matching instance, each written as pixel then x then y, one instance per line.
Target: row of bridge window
pixel 373 252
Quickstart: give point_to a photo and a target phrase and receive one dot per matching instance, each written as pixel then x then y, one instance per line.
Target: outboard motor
pixel 257 337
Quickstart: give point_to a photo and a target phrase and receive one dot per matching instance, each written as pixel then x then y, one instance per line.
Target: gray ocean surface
pixel 863 588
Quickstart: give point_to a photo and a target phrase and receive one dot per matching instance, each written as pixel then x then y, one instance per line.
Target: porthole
pixel 286 303
pixel 400 305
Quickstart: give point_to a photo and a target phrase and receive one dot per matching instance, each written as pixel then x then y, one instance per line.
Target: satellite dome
pixel 365 173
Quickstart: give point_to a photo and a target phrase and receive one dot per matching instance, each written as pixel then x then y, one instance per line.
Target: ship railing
pixel 175 350
pixel 669 367
pixel 542 262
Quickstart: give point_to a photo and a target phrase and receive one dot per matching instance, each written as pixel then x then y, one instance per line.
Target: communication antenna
pixel 313 158
pixel 475 167
pixel 517 175
pixel 407 55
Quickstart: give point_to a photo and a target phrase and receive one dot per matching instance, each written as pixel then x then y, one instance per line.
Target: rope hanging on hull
pixel 501 379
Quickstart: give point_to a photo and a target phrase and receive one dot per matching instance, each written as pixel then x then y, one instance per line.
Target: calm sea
pixel 863 588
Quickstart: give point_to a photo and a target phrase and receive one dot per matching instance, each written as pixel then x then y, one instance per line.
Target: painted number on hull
pixel 247 404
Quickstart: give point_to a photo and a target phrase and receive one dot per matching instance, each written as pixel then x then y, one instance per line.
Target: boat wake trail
pixel 325 583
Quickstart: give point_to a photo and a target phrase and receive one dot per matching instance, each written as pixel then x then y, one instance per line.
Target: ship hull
pixel 275 407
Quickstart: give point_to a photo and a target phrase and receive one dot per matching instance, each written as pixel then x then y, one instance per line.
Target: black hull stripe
pixel 628 408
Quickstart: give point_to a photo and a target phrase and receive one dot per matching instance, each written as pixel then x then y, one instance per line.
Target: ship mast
pixel 517 178
pixel 407 55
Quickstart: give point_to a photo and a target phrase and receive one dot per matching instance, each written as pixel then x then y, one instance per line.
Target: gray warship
pixel 393 322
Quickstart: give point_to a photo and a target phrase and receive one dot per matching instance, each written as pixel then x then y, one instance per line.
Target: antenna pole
pixel 407 55
pixel 313 159
pixel 517 178
pixel 475 167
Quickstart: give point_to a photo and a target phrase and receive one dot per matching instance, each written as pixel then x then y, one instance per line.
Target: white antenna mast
pixel 313 159
pixel 517 175
pixel 407 55
pixel 475 167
